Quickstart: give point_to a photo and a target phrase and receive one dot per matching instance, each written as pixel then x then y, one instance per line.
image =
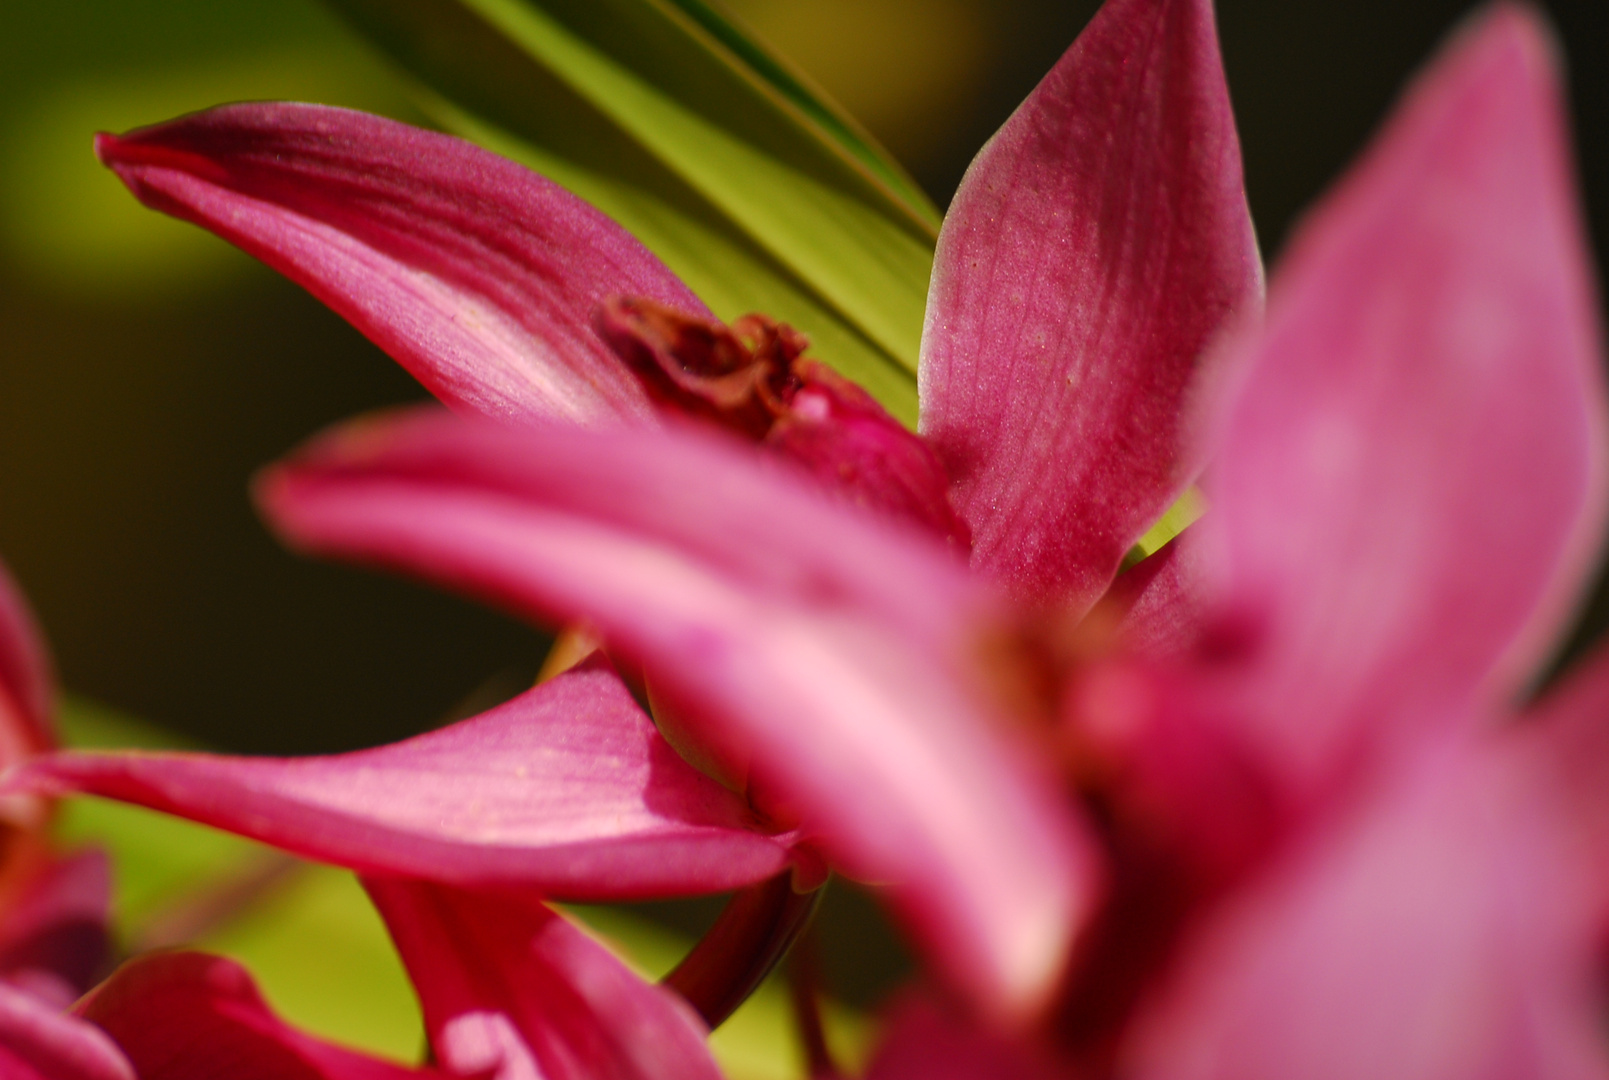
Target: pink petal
pixel 511 991
pixel 753 934
pixel 567 788
pixel 1569 732
pixel 1411 480
pixel 187 1016
pixel 476 274
pixel 840 434
pixel 1449 930
pixel 1094 248
pixel 25 679
pixel 38 1043
pixel 833 650
pixel 53 932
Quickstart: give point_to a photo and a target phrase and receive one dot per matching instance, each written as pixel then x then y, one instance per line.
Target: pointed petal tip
pixel 563 1004
pixel 1522 30
pixel 1506 43
pixel 1422 420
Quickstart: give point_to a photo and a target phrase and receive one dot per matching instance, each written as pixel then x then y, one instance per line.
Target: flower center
pixel 752 379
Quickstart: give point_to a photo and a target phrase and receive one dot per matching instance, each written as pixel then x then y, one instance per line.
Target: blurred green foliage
pixel 70 69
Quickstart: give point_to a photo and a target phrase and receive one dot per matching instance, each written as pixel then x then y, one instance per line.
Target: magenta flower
pixel 1267 812
pixel 1056 362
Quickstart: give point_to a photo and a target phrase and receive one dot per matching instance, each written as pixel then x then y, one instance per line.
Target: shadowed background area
pixel 148 368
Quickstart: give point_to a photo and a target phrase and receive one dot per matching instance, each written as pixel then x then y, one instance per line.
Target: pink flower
pixel 1267 812
pixel 487 281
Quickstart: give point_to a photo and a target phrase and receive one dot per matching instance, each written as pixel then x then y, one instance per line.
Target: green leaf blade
pixel 668 112
pixel 792 84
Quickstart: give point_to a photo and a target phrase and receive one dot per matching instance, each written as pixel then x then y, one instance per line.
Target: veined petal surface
pixel 474 273
pixel 1095 246
pixel 1410 480
pixel 568 788
pixel 511 990
pixel 188 1016
pixel 832 650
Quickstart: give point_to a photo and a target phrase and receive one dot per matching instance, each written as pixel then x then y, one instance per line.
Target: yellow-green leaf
pixel 638 107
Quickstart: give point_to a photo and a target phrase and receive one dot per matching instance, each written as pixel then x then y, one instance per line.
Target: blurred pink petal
pixel 1569 731
pixel 188 1016
pixel 511 990
pixel 53 933
pixel 26 690
pixel 833 651
pixel 753 934
pixel 1447 924
pixel 476 274
pixel 1411 479
pixel 1449 929
pixel 1094 248
pixel 567 788
pixel 1162 599
pixel 923 1040
pixel 38 1043
pixel 750 378
pixel 1410 485
pixel 840 434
